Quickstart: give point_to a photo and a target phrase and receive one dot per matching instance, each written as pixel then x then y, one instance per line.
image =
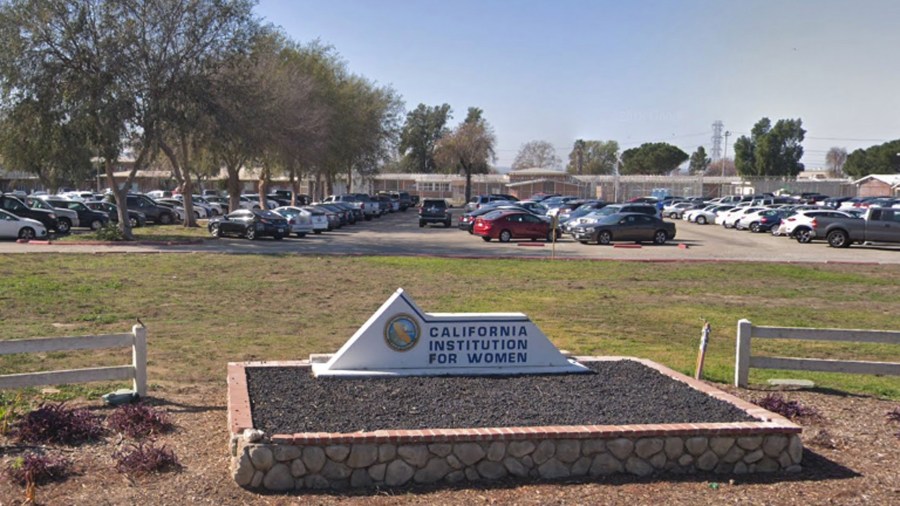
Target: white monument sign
pixel 400 339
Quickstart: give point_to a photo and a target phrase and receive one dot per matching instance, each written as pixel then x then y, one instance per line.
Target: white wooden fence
pixel 744 361
pixel 137 371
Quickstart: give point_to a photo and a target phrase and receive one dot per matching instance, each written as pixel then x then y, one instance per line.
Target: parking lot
pixel 399 234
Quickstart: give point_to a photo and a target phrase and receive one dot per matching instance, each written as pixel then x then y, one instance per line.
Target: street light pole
pixel 725 157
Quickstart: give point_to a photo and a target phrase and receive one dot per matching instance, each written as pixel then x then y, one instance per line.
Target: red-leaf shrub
pixel 142 459
pixel 139 420
pixel 41 468
pixel 56 423
pixel 788 409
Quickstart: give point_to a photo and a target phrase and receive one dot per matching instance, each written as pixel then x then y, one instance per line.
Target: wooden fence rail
pixel 137 371
pixel 747 331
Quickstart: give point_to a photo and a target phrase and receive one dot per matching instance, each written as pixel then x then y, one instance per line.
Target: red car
pixel 505 225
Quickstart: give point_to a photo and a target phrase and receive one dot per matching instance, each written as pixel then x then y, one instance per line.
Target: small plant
pixel 57 423
pixel 37 469
pixel 139 420
pixel 788 409
pixel 9 412
pixel 109 232
pixel 143 458
pixel 893 415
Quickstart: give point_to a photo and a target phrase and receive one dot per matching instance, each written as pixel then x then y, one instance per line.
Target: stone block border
pixel 396 458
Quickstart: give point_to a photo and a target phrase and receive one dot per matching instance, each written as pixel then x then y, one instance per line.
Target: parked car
pixel 729 218
pixel 708 214
pixel 299 220
pixel 879 224
pixel 594 216
pixel 87 217
pixel 798 224
pixel 675 210
pixel 467 220
pixel 12 226
pixel 636 227
pixel 509 224
pixel 479 201
pixel 332 217
pixel 249 223
pixel 137 218
pixel 18 208
pixel 67 218
pixel 761 221
pixel 154 212
pixel 434 211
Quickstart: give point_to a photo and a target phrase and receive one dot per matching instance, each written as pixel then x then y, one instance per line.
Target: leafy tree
pixel 424 127
pixel 835 160
pixel 536 154
pixel 37 139
pixel 468 148
pixel 880 159
pixel 771 150
pixel 699 161
pixel 593 157
pixel 652 159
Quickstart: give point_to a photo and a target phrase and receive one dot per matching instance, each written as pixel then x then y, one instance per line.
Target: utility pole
pixel 726 153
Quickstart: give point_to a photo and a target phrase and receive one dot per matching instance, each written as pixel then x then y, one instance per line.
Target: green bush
pixel 110 232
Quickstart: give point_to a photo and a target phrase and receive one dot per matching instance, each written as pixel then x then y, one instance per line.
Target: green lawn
pixel 205 310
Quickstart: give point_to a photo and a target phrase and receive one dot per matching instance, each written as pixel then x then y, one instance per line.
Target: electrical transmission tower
pixel 717 141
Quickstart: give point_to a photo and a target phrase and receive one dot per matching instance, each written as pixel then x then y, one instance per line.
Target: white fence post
pixel 139 358
pixel 742 354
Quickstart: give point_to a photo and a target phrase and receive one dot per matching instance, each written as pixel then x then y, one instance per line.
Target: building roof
pixel 538 171
pixel 891 179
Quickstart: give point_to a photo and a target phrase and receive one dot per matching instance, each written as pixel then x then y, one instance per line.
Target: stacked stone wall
pixel 280 467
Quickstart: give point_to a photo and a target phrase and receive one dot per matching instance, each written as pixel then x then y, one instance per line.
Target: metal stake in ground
pixel 701 355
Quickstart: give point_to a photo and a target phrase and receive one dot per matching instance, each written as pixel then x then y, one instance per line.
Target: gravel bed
pixel 287 400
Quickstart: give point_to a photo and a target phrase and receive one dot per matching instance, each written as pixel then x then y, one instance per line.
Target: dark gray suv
pixel 434 211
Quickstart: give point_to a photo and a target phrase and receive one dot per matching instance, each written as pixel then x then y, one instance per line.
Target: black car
pixel 17 207
pixel 434 211
pixel 87 217
pixel 249 223
pixel 637 227
pixel 137 218
pixel 154 212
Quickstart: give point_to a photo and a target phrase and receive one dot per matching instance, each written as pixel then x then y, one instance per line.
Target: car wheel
pixel 701 220
pixel 726 225
pixel 133 222
pixel 660 237
pixel 317 232
pixel 804 235
pixel 447 224
pixel 96 224
pixel 278 237
pixel 301 234
pixel 583 242
pixel 604 237
pixel 26 234
pixel 673 215
pixel 64 226
pixel 165 219
pixel 754 227
pixel 486 239
pixel 421 223
pixel 250 233
pixel 838 239
pixel 505 235
pixel 215 231
pixel 550 236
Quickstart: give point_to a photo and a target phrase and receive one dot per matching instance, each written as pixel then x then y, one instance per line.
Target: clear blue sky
pixel 632 71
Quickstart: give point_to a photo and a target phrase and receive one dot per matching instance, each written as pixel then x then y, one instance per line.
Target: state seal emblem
pixel 402 332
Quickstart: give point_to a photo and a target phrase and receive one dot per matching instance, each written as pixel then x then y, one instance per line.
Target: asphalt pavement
pixel 400 234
